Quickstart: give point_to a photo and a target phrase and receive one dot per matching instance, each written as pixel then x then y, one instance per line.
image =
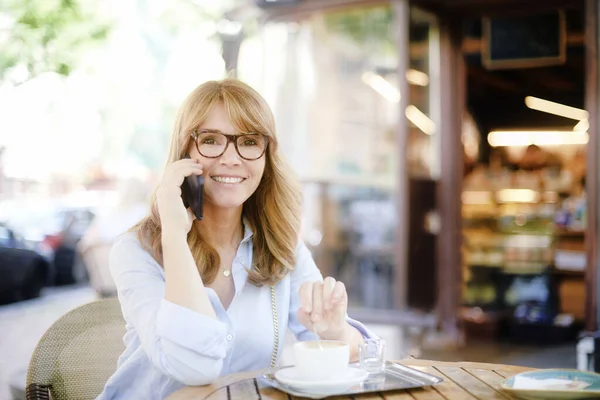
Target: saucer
pixel 289 376
pixel 547 384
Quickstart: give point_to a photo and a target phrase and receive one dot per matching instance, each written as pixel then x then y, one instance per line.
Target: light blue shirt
pixel 169 346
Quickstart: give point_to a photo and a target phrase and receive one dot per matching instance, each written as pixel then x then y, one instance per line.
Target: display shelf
pixel 509 251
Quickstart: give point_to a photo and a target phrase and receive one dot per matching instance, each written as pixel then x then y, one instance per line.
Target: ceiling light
pixel 420 120
pixel 582 126
pixel 382 86
pixel 555 108
pixel 474 197
pixel 417 78
pixel 540 138
pixel 517 196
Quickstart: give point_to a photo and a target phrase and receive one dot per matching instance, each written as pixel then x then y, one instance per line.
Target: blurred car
pixel 53 227
pixel 68 266
pixel 23 271
pixel 55 235
pixel 9 238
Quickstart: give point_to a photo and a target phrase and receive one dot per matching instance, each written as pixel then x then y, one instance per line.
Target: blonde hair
pixel 273 210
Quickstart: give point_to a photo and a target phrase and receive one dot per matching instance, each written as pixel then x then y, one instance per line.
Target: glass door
pixel 332 80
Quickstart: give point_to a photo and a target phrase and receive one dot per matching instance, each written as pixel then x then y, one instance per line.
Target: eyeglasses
pixel 213 144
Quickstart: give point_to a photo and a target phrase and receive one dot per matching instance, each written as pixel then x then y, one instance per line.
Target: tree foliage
pixel 38 36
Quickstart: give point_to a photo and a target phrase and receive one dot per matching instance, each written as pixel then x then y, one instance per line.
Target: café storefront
pixel 377 108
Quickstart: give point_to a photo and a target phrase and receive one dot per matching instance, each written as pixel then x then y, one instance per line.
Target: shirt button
pixel 229 337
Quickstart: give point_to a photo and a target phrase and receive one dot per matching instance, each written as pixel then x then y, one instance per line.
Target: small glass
pixel 371 356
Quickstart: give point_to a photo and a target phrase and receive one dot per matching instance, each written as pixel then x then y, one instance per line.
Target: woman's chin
pixel 229 203
pixel 227 206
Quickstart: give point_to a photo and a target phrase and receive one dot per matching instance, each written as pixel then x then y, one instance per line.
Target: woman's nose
pixel 230 157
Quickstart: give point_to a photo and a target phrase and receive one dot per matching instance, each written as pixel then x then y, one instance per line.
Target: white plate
pixel 289 377
pixel 585 385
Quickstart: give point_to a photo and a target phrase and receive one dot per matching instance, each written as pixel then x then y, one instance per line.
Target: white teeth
pixel 227 179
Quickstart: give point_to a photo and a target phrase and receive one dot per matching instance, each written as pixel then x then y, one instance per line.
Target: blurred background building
pixel 447 151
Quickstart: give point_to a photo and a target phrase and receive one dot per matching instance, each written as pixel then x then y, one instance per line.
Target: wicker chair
pixel 78 353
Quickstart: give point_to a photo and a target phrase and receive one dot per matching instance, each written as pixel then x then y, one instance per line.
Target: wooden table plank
pixel 244 390
pixel 448 388
pixel 269 393
pixel 507 371
pixel 396 395
pixel 491 378
pixel 427 393
pixel 216 395
pixel 471 384
pixel 368 396
pixel 427 363
pixel 462 380
pixel 210 391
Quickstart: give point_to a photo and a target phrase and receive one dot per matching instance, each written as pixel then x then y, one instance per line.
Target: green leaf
pixel 49 35
pixel 63 69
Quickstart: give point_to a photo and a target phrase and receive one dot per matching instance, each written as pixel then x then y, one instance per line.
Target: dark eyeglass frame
pixel 230 138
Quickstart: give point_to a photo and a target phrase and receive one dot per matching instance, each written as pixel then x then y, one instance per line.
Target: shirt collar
pixel 247 230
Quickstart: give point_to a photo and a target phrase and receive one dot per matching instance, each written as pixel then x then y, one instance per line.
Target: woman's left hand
pixel 323 306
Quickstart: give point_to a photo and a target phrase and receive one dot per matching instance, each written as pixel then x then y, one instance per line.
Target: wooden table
pixel 462 380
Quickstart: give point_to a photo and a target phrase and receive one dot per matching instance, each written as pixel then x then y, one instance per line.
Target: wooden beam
pixel 456 8
pixel 591 104
pixel 477 8
pixel 402 20
pixel 498 3
pixel 483 76
pixel 453 93
pixel 472 45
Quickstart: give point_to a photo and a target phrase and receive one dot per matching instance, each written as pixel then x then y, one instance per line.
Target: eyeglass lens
pixel 250 146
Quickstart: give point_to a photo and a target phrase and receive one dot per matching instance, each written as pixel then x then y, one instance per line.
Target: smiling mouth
pixel 227 179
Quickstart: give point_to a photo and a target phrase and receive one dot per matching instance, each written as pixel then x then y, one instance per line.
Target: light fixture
pixel 517 196
pixel 417 78
pixel 382 86
pixel 582 126
pixel 476 197
pixel 555 108
pixel 540 138
pixel 420 120
pixel 392 94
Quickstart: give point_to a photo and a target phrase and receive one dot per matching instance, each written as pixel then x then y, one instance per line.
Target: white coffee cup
pixel 321 359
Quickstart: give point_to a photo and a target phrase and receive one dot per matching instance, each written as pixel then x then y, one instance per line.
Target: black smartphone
pixel 192 193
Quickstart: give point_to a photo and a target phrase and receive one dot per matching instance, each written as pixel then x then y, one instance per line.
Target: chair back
pixel 78 353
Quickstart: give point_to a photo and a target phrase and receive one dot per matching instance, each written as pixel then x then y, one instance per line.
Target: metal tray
pixel 396 377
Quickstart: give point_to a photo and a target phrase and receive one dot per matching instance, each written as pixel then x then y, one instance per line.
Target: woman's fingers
pixel 323 305
pixel 317 313
pixel 328 286
pixel 339 296
pixel 306 297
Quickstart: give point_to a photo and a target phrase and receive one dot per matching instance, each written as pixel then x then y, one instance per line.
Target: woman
pixel 212 297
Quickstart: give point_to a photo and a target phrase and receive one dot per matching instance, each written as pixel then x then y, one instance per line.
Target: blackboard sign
pixel 524 41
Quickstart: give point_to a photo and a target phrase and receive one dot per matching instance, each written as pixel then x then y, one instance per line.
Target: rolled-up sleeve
pixel 183 344
pixel 305 271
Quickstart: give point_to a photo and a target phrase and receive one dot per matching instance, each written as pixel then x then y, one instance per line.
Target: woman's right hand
pixel 173 214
